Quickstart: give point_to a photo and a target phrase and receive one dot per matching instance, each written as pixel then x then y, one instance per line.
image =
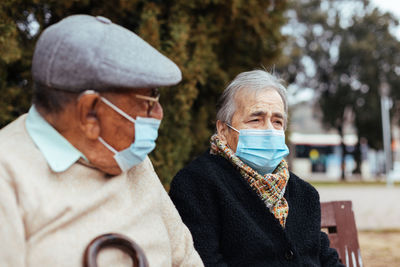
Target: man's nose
pixel 157 112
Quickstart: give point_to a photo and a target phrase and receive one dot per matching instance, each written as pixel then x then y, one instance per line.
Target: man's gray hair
pixel 51 100
pixel 250 81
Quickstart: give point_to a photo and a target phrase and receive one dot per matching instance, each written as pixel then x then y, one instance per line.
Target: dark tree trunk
pixel 357 157
pixel 343 146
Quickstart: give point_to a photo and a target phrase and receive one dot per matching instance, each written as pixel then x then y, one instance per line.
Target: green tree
pixel 13 71
pixel 312 54
pixel 350 56
pixel 369 56
pixel 210 40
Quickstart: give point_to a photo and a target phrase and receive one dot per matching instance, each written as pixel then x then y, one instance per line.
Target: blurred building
pixel 316 151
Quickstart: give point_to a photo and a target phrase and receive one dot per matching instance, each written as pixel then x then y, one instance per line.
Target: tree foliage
pixel 210 40
pixel 369 56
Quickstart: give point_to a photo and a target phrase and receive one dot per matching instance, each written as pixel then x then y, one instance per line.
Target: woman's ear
pixel 88 120
pixel 222 129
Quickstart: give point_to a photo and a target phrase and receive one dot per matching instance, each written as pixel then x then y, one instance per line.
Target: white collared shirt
pixel 58 152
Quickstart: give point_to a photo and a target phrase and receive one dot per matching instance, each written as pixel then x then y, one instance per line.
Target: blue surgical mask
pixel 146 133
pixel 262 150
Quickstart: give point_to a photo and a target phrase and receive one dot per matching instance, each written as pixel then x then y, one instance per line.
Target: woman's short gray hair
pixel 251 81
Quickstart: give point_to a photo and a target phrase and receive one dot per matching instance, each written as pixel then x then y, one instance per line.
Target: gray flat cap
pixel 83 52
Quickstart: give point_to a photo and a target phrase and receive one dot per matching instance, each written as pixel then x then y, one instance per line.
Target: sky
pixel 392 6
pixel 388 5
pixel 306 94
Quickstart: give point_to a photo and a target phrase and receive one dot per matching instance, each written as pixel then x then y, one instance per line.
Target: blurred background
pixel 340 60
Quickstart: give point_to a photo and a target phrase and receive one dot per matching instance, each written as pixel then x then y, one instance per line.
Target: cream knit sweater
pixel 48 218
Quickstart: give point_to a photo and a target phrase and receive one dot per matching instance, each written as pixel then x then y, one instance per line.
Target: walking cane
pixel 119 241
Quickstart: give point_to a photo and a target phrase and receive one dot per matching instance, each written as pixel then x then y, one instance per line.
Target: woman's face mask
pixel 262 150
pixel 146 133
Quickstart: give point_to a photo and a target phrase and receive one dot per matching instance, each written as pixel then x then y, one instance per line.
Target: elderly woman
pixel 239 200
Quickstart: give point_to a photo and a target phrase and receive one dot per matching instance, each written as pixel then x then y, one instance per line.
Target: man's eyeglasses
pixel 151 100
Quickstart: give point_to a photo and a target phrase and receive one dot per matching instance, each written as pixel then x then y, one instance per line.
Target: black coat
pixel 231 226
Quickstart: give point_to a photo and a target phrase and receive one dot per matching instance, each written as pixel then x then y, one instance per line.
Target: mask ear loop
pixel 92 92
pixel 117 109
pixel 107 145
pixel 233 128
pixel 87 92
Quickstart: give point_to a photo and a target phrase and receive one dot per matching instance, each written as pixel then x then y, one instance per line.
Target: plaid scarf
pixel 270 187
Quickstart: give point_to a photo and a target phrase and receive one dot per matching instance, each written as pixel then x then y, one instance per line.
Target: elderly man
pixel 76 166
pixel 241 203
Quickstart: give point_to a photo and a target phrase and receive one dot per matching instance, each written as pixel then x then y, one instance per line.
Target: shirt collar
pixel 58 152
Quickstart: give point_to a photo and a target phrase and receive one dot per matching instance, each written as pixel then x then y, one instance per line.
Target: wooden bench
pixel 337 220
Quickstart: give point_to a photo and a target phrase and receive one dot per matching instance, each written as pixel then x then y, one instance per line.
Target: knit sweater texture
pixel 231 226
pixel 48 218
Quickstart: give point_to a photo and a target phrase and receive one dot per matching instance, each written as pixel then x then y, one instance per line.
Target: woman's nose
pixel 269 125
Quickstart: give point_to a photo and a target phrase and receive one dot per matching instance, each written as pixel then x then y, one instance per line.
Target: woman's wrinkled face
pixel 254 110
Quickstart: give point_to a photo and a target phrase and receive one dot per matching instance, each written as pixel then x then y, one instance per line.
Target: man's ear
pixel 88 120
pixel 222 130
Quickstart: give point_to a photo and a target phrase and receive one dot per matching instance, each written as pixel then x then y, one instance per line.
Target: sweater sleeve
pixel 328 256
pixel 180 240
pixel 198 207
pixel 12 234
pixel 183 252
